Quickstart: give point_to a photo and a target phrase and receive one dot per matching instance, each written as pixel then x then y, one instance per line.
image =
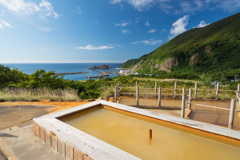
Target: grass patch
pixel 26 94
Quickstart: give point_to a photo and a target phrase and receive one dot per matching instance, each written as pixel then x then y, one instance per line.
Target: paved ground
pixel 20 139
pixel 16 113
pixel 26 145
pixel 2 157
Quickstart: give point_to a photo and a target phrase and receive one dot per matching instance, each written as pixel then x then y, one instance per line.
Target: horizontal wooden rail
pixel 210 106
pixel 128 87
pixel 227 90
pixel 127 93
pixel 149 93
pixel 206 90
pixel 148 88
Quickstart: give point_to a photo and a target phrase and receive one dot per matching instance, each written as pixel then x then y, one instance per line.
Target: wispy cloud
pixel 116 45
pixel 164 30
pixel 4 24
pixel 147 24
pixel 115 1
pixel 124 24
pixel 141 5
pixel 181 6
pixel 125 31
pixel 43 9
pixel 230 5
pixel 91 47
pixel 151 41
pixel 79 10
pixel 179 26
pixel 137 20
pixel 152 31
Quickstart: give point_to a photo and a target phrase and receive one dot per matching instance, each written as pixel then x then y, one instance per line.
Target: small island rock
pixel 101 67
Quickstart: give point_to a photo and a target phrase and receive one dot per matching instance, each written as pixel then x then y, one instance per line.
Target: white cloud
pixel 124 24
pixel 230 5
pixel 202 24
pixel 4 24
pixel 182 6
pixel 147 24
pixel 152 31
pixel 43 9
pixel 151 41
pixel 116 45
pixel 125 31
pixel 141 5
pixel 179 26
pixel 91 47
pixel 186 6
pixel 115 1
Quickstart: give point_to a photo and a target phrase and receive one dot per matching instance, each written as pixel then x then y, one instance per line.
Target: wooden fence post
pixel 183 103
pixel 217 91
pixel 195 90
pixel 155 87
pixel 159 97
pixel 231 114
pixel 190 99
pixel 238 88
pixel 115 94
pixel 175 89
pixel 137 95
pixel 136 83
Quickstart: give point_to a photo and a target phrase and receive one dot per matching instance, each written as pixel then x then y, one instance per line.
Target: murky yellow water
pixel 131 134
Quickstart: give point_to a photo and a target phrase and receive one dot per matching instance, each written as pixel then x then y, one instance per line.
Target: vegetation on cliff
pixel 212 49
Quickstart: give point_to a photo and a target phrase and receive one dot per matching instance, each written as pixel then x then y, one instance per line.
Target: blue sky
pixel 78 31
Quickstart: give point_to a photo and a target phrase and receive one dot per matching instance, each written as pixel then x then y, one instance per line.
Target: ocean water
pixel 30 68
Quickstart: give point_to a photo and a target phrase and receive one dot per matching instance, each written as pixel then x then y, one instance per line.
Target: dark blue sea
pixel 30 68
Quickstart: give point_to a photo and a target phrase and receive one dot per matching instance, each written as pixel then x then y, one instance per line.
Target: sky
pixel 98 31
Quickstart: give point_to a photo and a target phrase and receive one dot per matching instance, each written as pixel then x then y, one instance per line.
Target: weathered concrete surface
pixel 15 115
pixel 26 145
pixel 2 157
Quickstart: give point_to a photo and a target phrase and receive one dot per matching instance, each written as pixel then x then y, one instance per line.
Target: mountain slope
pixel 213 48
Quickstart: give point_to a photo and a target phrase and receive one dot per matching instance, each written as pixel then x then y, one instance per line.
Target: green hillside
pixel 214 48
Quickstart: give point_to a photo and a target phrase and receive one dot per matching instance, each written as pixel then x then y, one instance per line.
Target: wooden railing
pixel 158 92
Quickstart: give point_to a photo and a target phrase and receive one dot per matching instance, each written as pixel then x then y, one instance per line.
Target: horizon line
pixel 63 62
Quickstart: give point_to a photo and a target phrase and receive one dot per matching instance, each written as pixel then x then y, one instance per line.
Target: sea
pixel 30 68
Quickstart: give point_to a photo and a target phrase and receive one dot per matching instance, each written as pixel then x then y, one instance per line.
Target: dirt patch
pixel 16 113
